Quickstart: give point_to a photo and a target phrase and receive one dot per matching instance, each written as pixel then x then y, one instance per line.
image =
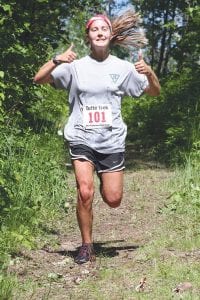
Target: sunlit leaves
pixel 6 8
pixel 30 33
pixel 173 32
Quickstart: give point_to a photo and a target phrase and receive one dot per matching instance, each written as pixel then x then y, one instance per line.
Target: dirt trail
pixel 119 236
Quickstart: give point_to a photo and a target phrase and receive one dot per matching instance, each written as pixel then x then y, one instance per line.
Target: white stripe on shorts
pixel 78 156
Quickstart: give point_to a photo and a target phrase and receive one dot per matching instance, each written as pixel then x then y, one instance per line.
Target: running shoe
pixel 86 253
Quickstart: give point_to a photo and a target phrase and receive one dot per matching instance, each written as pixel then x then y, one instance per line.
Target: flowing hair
pixel 127 32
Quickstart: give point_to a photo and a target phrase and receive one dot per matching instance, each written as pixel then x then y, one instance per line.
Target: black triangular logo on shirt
pixel 114 77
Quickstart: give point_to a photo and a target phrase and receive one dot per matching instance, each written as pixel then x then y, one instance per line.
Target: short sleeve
pixel 134 83
pixel 62 76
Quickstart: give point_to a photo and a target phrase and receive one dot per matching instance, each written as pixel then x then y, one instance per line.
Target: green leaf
pixel 2 97
pixel 1 74
pixel 6 7
pixel 2 20
pixel 27 25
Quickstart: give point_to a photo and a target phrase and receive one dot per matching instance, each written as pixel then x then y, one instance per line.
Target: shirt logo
pixel 114 77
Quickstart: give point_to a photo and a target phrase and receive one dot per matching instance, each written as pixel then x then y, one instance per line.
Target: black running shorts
pixel 103 162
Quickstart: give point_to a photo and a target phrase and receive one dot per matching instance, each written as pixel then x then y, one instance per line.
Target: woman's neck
pixel 99 55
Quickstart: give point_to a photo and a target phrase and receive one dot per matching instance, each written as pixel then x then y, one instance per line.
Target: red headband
pixel 98 17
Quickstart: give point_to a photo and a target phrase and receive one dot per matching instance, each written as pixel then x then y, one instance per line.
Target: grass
pixel 170 258
pixel 32 195
pixel 120 283
pixel 7 284
pixel 35 188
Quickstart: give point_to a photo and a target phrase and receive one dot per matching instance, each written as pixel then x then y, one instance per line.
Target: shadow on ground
pixel 102 249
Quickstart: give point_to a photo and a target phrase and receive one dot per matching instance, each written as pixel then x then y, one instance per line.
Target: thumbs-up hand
pixel 140 55
pixel 68 56
pixel 141 67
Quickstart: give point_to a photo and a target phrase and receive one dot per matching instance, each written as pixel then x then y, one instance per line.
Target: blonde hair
pixel 127 32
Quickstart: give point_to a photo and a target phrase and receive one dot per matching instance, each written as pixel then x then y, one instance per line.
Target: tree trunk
pixel 163 41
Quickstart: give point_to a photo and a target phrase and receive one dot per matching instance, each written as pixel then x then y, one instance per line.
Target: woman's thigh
pixel 83 170
pixel 112 186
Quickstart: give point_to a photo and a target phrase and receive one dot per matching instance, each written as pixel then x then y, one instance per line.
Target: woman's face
pixel 99 34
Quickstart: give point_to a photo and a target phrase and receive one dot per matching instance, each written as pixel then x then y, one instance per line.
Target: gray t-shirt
pixel 96 90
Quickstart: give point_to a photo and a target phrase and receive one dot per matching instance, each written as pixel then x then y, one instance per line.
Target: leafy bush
pixel 167 125
pixel 33 186
pixel 185 198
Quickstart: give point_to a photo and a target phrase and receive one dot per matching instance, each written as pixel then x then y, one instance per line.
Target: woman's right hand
pixel 44 74
pixel 68 56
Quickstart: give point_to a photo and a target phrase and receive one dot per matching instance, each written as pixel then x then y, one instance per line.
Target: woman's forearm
pixel 44 73
pixel 154 86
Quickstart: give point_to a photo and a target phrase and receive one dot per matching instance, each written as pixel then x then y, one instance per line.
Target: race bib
pixel 95 116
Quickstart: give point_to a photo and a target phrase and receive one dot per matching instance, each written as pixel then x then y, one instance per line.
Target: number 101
pixel 97 117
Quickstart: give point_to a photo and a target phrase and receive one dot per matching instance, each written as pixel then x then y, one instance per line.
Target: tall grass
pixel 7 283
pixel 32 193
pixel 184 202
pixel 175 251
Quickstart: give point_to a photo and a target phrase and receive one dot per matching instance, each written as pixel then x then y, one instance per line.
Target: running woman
pixel 95 130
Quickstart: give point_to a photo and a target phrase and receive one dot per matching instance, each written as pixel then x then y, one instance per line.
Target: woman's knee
pixel 86 193
pixel 113 200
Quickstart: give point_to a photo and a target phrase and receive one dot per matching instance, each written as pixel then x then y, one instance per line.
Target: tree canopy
pixel 32 31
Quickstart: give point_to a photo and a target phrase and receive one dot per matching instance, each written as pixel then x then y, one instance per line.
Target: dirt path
pixel 119 236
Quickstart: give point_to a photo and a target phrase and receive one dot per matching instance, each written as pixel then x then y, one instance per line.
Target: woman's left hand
pixel 141 67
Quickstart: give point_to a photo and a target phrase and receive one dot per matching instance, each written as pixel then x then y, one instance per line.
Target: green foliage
pixel 33 193
pixel 185 197
pixel 172 28
pixel 7 283
pixel 33 186
pixel 50 109
pixel 29 37
pixel 187 51
pixel 168 125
